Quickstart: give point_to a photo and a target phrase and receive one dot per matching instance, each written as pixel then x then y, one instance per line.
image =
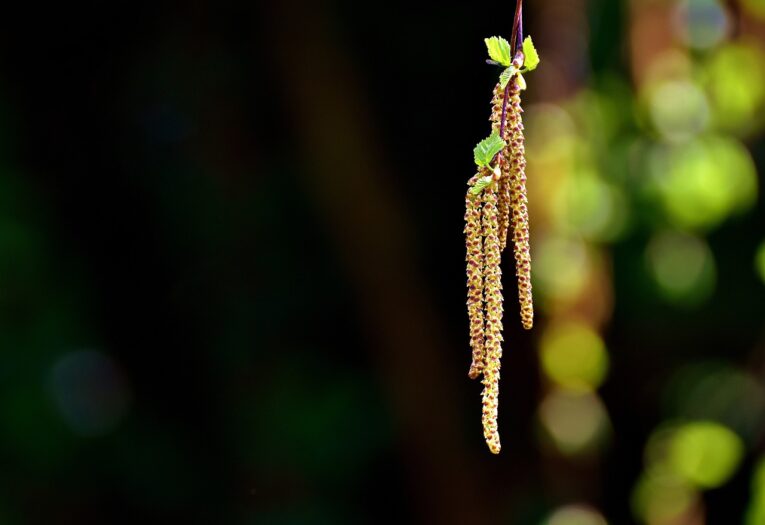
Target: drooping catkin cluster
pixel 498 210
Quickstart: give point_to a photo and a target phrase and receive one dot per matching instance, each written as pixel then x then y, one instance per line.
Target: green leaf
pixel 506 75
pixel 481 184
pixel 487 148
pixel 499 50
pixel 521 82
pixel 531 60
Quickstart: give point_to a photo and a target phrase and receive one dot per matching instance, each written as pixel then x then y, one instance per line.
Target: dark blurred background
pixel 232 266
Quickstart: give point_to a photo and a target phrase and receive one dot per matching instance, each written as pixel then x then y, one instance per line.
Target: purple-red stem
pixel 516 42
pixel 504 112
pixel 516 37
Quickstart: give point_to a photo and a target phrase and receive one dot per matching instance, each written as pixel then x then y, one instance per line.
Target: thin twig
pixel 516 42
pixel 516 38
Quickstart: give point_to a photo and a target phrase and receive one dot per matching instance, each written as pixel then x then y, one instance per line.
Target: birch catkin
pixel 493 334
pixel 503 203
pixel 519 204
pixel 474 259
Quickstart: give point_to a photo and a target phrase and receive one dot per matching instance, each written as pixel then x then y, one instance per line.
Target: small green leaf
pixel 506 75
pixel 487 148
pixel 521 82
pixel 531 60
pixel 499 50
pixel 481 184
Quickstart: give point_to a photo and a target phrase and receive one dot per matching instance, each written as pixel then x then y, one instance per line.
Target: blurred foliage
pixel 653 170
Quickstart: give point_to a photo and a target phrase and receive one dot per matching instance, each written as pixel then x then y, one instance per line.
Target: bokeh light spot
pixel 588 206
pixel 735 81
pixel 662 497
pixel 702 24
pixel 694 194
pixel 561 267
pixel 657 446
pixel 682 266
pixel 577 423
pixel 90 391
pixel 550 132
pixel 705 453
pixel 755 514
pixel 715 390
pixel 704 181
pixel 576 515
pixel 759 261
pixel 679 109
pixel 574 356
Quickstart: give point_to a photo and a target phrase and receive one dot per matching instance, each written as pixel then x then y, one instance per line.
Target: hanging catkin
pixel 474 258
pixel 493 335
pixel 503 204
pixel 519 204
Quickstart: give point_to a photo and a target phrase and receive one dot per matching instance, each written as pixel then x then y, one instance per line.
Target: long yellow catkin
pixel 493 333
pixel 474 259
pixel 519 203
pixel 503 204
